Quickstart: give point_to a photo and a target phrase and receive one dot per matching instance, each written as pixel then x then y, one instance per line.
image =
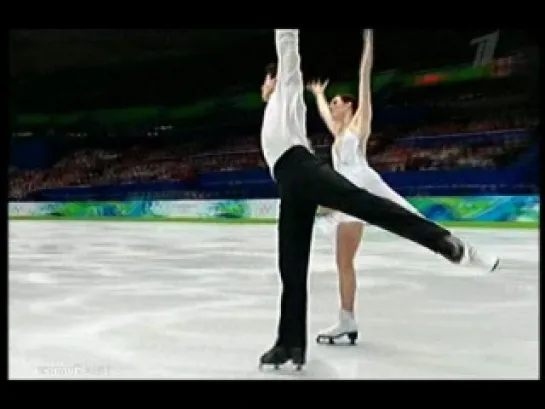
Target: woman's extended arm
pixel 361 123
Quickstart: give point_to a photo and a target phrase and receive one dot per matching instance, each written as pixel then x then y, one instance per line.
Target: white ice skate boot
pixel 484 261
pixel 473 258
pixel 346 327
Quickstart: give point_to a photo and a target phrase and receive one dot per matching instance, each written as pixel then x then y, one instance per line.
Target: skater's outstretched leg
pixel 320 183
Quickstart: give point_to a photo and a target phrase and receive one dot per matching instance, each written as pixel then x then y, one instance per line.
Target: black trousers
pixel 304 182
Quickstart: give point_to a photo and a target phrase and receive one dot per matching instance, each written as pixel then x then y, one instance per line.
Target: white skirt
pixel 368 179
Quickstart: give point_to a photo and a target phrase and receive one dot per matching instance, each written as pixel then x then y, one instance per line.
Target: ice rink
pixel 175 301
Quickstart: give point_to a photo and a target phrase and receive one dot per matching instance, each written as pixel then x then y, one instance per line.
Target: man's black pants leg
pixel 300 171
pixel 295 227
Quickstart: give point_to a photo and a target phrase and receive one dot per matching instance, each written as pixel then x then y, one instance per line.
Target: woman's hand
pixel 317 87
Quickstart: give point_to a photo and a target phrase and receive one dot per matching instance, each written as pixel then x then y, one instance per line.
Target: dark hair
pixel 346 98
pixel 271 69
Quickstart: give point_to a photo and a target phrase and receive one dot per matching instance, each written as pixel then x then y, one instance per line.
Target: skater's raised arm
pixel 361 123
pixel 318 90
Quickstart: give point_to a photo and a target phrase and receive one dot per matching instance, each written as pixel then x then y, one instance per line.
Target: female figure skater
pixel 349 121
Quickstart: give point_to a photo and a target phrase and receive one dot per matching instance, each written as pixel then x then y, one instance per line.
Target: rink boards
pixel 500 211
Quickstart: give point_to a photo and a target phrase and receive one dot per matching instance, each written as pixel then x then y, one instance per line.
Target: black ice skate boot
pixel 279 355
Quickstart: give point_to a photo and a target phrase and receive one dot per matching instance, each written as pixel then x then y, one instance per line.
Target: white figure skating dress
pixel 350 160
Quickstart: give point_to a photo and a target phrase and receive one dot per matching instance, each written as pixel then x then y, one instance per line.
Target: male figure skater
pixel 305 182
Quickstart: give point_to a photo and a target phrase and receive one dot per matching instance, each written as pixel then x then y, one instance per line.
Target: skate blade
pixel 330 340
pixel 280 367
pixel 275 366
pixel 495 266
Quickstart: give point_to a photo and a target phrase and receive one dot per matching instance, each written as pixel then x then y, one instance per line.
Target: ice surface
pixel 171 300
